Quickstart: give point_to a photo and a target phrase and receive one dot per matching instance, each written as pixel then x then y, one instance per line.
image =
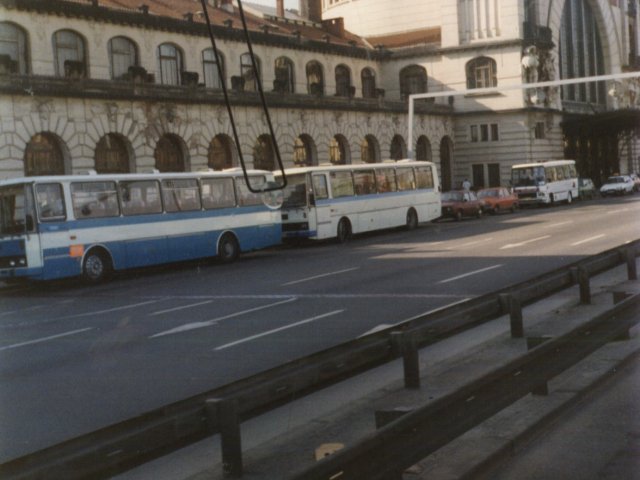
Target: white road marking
pixel 470 243
pixel 209 323
pixel 526 242
pixel 620 210
pixel 588 240
pixel 320 276
pixel 275 330
pixel 109 310
pixel 184 307
pixel 45 339
pixel 559 224
pixel 470 273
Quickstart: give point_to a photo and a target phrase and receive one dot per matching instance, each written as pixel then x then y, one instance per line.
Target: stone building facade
pixel 117 86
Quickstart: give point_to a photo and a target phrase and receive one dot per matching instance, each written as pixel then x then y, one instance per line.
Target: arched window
pixel 343 81
pixel 14 46
pixel 249 77
pixel 122 55
pixel 284 80
pixel 339 150
pixel 413 79
pixel 43 156
pixel 171 64
pixel 368 77
pixel 210 69
pixel 481 73
pixel 112 155
pixel 220 153
pixel 263 153
pixel 369 150
pixel 423 149
pixel 398 148
pixel 315 78
pixel 170 154
pixel 69 54
pixel 304 151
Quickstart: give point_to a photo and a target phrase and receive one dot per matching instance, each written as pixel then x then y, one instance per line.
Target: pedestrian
pixel 466 185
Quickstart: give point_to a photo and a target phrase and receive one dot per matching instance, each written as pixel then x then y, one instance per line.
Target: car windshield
pixel 488 193
pixel 452 197
pixel 615 180
pixel 527 176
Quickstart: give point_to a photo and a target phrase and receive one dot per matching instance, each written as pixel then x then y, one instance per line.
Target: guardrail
pixel 119 447
pixel 400 444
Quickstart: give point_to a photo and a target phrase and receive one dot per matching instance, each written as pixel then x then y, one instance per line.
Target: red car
pixel 458 203
pixel 498 199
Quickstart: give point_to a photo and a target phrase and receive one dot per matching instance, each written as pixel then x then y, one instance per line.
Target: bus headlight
pixel 273 199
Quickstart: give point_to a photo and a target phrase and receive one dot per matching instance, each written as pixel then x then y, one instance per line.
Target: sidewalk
pixel 285 440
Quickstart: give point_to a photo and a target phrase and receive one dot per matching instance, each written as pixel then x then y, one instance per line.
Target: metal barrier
pixel 395 447
pixel 119 447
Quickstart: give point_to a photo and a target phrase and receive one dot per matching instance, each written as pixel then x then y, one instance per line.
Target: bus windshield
pixel 14 210
pixel 295 193
pixel 527 176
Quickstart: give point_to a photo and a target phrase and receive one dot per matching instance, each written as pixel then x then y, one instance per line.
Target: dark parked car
pixel 457 204
pixel 586 189
pixel 498 199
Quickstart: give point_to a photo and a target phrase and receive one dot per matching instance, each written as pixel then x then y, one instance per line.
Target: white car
pixel 617 185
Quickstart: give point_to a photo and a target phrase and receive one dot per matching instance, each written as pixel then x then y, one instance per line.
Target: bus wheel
pixel 96 266
pixel 552 200
pixel 228 248
pixel 412 219
pixel 344 230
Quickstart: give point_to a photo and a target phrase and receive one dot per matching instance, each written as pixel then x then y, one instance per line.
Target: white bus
pixel 337 201
pixel 545 182
pixel 62 226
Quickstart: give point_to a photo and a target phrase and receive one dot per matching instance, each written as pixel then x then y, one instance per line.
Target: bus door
pixel 19 242
pixel 320 206
pixel 54 231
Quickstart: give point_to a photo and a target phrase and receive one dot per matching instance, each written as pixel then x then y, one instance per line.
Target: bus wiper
pixel 267 188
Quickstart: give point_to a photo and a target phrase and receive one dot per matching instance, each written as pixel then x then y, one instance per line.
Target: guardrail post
pixel 406 345
pixel 532 342
pixel 228 422
pixel 511 303
pixel 630 257
pixel 581 275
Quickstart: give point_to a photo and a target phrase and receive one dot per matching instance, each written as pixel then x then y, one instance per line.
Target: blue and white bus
pixel 336 201
pixel 90 225
pixel 545 182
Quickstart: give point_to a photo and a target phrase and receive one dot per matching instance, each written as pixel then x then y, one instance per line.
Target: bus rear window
pixel 50 201
pixel 246 196
pixel 94 199
pixel 140 197
pixel 424 177
pixel 218 193
pixel 181 195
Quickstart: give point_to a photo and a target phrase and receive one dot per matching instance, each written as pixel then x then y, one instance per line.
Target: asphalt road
pixel 76 358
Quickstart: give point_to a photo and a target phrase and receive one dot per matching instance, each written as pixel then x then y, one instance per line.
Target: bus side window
pixel 218 193
pixel 50 201
pixel 94 199
pixel 386 179
pixel 365 182
pixel 320 189
pixel 139 197
pixel 341 184
pixel 406 179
